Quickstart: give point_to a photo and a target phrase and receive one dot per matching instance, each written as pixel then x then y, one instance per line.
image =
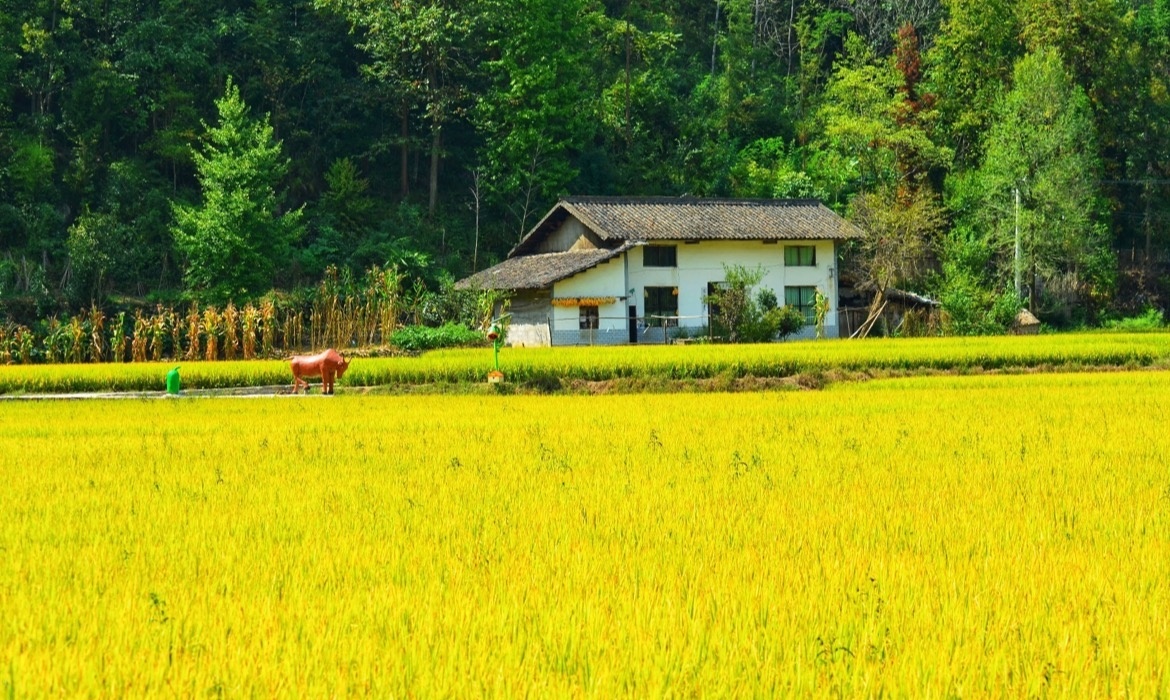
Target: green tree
pixel 123 240
pixel 902 233
pixel 967 67
pixel 539 108
pixel 236 240
pixel 1043 143
pixel 767 169
pixel 876 124
pixel 421 49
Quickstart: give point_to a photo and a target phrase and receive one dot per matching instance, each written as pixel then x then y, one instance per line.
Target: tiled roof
pixel 538 271
pixel 622 222
pixel 694 219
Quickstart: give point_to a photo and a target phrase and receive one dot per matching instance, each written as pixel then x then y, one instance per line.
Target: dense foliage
pixel 168 151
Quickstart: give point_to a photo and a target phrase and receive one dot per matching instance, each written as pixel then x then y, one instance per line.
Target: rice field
pixel 1067 351
pixel 1003 536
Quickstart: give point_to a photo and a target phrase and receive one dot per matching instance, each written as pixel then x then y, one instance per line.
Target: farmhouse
pixel 616 270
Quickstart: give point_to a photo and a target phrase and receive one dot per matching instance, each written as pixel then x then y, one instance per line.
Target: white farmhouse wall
pixel 625 278
pixel 702 263
pixel 605 280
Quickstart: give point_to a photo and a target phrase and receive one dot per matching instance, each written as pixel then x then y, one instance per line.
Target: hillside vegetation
pixel 160 151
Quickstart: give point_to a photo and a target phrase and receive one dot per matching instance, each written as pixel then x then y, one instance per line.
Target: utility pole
pixel 1019 281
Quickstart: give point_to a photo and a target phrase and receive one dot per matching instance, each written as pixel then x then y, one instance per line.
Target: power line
pixel 1150 181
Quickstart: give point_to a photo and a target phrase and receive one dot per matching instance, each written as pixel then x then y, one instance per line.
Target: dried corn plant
pixel 251 318
pixel 97 340
pixel 212 328
pixel 231 331
pixel 141 338
pixel 268 327
pixel 77 332
pixel 174 323
pixel 194 329
pixel 386 285
pixel 157 330
pixel 294 329
pixel 22 342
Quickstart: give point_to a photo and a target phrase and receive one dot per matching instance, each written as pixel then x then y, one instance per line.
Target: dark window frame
pixel 713 290
pixel 589 316
pixel 660 256
pixel 803 298
pixel 653 306
pixel 800 256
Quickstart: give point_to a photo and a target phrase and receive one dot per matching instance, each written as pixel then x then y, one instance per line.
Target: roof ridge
pixel 687 200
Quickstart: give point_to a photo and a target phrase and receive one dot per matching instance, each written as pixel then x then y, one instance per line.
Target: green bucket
pixel 173 382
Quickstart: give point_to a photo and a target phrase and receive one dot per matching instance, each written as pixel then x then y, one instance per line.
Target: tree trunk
pixel 715 37
pixel 434 195
pixel 404 161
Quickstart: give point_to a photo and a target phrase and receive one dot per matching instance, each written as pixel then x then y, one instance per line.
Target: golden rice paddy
pixel 926 537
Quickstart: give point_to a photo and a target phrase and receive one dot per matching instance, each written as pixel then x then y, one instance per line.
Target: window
pixel 661 301
pixel 660 256
pixel 803 299
pixel 589 317
pixel 713 290
pixel 800 256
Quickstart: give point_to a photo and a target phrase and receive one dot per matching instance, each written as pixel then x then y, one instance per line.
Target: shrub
pixel 742 319
pixel 1151 320
pixel 418 338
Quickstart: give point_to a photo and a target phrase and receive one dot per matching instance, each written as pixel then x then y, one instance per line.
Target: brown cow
pixel 328 365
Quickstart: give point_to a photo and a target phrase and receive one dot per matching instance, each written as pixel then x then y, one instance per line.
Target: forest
pixel 998 153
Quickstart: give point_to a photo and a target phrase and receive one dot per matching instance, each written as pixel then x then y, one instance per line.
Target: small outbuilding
pixel 1025 323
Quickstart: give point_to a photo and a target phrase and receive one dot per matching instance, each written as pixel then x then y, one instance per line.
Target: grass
pixel 643 364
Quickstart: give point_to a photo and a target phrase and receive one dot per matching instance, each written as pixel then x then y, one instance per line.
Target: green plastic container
pixel 173 382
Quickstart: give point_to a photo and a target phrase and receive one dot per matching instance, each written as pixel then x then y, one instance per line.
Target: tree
pixel 767 169
pixel 1043 143
pixel 420 48
pixel 538 110
pixel 968 66
pixel 901 236
pixel 237 239
pixel 876 121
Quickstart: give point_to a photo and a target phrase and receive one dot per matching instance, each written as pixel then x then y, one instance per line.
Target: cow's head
pixel 341 367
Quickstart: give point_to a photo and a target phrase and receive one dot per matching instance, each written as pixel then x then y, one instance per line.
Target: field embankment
pixel 638 367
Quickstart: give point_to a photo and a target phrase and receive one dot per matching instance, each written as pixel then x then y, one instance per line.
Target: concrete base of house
pixel 528 335
pixel 538 335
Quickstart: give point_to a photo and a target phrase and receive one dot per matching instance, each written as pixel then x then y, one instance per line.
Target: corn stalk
pixel 251 317
pixel 23 340
pixel 76 338
pixel 231 331
pixel 138 343
pixel 97 340
pixel 294 328
pixel 194 327
pixel 54 341
pixel 268 327
pixel 118 338
pixel 212 326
